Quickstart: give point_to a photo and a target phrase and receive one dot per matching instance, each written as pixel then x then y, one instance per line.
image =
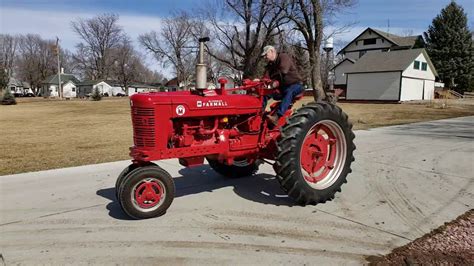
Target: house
pixel 105 87
pixel 20 88
pixel 374 40
pixel 172 85
pixel 112 88
pixel 368 42
pixel 380 66
pixel 399 75
pixel 136 87
pixel 68 84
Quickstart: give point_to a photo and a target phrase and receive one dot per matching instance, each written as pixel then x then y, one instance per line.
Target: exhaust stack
pixel 201 68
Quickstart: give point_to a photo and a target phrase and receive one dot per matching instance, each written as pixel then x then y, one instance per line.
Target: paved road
pixel 407 180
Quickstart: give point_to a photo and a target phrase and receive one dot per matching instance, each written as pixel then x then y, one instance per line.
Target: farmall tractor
pixel 311 149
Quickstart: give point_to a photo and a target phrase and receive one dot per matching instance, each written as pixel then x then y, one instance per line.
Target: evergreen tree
pixel 7 98
pixel 449 45
pixel 96 95
pixel 4 78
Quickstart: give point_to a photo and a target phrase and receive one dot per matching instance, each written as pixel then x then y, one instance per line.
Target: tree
pixel 151 76
pixel 36 59
pixel 172 45
pixel 449 45
pixel 96 95
pixel 7 98
pixel 302 62
pixel 308 17
pixel 127 63
pixel 241 29
pixel 100 35
pixel 8 50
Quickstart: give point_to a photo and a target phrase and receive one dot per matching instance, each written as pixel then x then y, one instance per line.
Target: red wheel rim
pixel 148 194
pixel 323 154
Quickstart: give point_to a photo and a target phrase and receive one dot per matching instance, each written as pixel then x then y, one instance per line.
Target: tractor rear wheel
pixel 315 153
pixel 147 192
pixel 239 168
pixel 124 173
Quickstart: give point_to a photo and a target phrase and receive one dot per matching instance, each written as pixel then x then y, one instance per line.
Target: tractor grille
pixel 143 120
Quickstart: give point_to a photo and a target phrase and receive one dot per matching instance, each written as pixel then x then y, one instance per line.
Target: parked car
pixel 120 94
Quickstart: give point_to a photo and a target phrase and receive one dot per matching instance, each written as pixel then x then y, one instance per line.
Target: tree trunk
pixel 318 91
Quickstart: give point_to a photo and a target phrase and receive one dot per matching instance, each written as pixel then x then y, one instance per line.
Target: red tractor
pixel 312 148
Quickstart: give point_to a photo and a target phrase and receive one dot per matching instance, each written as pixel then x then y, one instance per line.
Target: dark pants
pixel 286 96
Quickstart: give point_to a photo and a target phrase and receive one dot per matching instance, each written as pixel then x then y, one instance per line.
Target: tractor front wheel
pixel 146 192
pixel 239 168
pixel 124 173
pixel 315 153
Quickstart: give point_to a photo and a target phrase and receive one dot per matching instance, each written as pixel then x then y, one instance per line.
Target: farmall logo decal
pixel 180 110
pixel 211 103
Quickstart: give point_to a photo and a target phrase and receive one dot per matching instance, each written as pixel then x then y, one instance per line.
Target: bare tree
pixel 99 36
pixel 242 29
pixel 308 16
pixel 8 50
pixel 127 65
pixel 36 59
pixel 151 76
pixel 173 45
pixel 407 33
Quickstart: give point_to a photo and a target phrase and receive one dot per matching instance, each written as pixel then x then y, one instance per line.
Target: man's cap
pixel 266 49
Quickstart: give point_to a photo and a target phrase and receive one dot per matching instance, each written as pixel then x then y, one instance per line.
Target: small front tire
pixel 147 192
pixel 124 173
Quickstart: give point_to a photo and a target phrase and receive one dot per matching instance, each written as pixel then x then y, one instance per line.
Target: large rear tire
pixel 146 192
pixel 315 153
pixel 239 168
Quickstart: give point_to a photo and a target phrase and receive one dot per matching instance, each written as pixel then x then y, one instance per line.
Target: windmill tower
pixel 329 49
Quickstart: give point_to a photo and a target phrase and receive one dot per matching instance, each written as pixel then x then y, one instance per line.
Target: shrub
pixel 7 98
pixel 96 96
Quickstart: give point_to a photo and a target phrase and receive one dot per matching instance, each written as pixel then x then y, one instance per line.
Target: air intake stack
pixel 201 68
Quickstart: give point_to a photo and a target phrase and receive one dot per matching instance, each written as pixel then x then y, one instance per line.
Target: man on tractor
pixel 282 68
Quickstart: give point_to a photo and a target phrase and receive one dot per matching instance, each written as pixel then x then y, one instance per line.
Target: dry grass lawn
pixel 38 134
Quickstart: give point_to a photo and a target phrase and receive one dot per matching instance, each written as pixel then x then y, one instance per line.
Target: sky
pixel 51 18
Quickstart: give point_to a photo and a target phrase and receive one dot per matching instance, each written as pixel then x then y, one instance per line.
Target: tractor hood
pixel 187 104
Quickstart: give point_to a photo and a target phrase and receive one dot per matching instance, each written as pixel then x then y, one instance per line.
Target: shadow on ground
pixel 262 188
pixel 453 129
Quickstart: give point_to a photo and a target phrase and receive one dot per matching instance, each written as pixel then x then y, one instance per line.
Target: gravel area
pixel 450 244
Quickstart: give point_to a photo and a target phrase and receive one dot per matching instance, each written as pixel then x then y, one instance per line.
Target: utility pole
pixel 60 89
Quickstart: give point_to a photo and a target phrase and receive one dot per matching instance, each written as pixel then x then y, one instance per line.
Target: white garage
pixel 400 75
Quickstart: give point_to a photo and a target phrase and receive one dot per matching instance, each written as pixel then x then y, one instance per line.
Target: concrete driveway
pixel 406 181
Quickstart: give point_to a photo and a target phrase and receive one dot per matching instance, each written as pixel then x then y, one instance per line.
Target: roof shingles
pixel 64 79
pixel 387 61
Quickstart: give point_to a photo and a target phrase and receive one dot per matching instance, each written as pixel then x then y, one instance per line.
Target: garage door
pixel 412 89
pixel 373 86
pixel 429 90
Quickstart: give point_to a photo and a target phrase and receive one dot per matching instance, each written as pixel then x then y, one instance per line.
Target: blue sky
pixel 416 14
pixel 51 18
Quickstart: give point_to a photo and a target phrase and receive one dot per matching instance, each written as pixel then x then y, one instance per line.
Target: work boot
pixel 273 119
